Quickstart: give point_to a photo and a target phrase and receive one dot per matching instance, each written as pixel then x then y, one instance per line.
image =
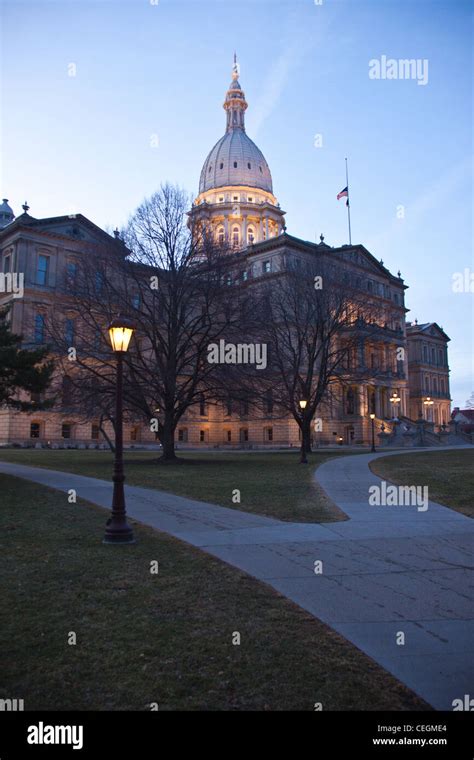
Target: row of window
pixel 67 433
pixel 435 384
pixel 432 355
pixel 236 166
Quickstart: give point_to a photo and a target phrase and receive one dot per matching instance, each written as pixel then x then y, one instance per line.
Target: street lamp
pixel 303 404
pixel 117 530
pixel 428 403
pixel 372 419
pixel 395 399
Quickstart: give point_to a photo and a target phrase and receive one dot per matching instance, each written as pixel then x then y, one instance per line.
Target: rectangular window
pixel 202 436
pixel 99 282
pixel 269 434
pixel 39 328
pixel 69 332
pixel 267 267
pixel 183 435
pixel 6 264
pixel 229 436
pixel 134 434
pixel 95 432
pixel 202 408
pixel 228 409
pixel 245 275
pixel 66 430
pixel 42 273
pixel 136 301
pixel 35 430
pixel 71 273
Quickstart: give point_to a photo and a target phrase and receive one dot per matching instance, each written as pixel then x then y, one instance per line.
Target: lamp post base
pixel 118 534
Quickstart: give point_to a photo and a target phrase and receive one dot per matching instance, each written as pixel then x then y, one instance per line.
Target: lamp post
pixel 428 403
pixel 303 404
pixel 372 419
pixel 117 530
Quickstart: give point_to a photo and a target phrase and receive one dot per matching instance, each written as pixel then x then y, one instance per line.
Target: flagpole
pixel 348 205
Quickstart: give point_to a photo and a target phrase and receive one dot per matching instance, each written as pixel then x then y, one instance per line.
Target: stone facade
pixel 429 373
pixel 237 206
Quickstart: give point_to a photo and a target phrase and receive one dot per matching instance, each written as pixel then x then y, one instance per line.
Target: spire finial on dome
pixel 235 68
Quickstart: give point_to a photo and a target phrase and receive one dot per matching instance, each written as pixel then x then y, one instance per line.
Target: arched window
pixel 235 164
pixel 250 235
pixel 220 235
pixel 221 166
pixel 235 236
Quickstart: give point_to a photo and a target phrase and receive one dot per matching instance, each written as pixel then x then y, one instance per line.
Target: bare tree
pixel 314 323
pixel 171 280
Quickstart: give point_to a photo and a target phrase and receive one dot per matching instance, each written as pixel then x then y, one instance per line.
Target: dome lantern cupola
pixel 235 197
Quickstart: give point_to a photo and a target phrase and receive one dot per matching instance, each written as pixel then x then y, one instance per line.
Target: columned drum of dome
pixel 236 202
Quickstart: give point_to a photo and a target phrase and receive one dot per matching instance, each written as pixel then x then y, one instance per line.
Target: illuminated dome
pixel 235 160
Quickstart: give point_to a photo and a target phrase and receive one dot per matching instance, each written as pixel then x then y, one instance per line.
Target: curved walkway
pixel 387 571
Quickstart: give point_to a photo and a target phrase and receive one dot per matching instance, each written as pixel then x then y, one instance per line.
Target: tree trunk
pixel 167 441
pixel 306 433
pixel 107 438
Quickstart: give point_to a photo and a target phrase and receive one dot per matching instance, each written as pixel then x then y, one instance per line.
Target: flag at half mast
pixel 344 194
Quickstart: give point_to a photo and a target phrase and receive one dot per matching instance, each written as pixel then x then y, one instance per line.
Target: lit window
pixel 35 430
pixel 43 270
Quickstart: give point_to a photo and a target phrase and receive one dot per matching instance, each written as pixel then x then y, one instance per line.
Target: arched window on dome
pixel 235 236
pixel 220 236
pixel 250 235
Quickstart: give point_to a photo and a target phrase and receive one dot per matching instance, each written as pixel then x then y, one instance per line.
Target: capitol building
pixel 237 203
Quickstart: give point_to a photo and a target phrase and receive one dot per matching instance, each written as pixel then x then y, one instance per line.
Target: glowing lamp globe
pixel 120 333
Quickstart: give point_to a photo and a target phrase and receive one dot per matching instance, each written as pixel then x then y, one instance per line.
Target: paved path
pixel 386 570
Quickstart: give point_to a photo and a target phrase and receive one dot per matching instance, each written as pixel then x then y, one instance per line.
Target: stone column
pixel 226 227
pixel 244 231
pixel 260 228
pixel 378 410
pixel 266 228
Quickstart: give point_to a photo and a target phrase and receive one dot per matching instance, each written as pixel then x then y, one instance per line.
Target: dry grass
pixel 449 475
pixel 165 638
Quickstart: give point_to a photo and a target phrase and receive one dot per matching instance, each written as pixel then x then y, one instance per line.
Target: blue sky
pixel 83 143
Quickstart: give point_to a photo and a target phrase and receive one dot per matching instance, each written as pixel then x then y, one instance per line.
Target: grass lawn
pixel 449 475
pixel 271 484
pixel 165 638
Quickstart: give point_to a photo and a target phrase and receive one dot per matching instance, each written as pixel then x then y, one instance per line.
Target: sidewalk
pixel 386 571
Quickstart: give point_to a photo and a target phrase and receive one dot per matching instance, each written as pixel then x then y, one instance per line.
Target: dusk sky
pixel 157 72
